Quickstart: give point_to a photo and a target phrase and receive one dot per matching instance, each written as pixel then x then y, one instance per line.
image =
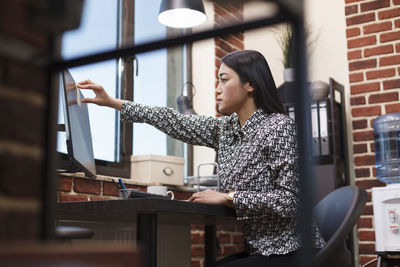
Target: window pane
pixel 156 73
pixel 98 31
pixel 150 88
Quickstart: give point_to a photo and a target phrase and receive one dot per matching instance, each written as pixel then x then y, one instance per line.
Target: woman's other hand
pixel 102 98
pixel 211 197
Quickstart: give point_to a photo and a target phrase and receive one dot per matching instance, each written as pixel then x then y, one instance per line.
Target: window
pixel 99 31
pixel 158 82
pixel 157 79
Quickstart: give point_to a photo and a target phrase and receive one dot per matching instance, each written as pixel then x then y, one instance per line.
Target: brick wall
pixel 225 15
pixel 23 89
pixel 230 241
pixel 71 188
pixel 373 41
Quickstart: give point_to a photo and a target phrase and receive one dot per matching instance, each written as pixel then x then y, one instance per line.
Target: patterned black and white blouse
pixel 258 161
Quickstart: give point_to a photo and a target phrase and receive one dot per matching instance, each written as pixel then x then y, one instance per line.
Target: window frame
pixel 125 91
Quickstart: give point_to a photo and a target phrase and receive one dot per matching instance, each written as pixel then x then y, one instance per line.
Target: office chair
pixel 336 215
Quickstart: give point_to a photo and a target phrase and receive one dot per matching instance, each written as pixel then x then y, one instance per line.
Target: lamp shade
pixel 182 13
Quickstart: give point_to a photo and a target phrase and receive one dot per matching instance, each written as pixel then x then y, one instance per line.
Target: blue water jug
pixel 387 147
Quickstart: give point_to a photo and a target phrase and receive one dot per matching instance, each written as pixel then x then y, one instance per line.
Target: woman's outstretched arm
pixel 197 130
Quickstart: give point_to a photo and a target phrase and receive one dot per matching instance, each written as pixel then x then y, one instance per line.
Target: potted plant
pixel 286 40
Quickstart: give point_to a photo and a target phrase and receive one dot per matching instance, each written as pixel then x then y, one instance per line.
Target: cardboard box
pixel 156 169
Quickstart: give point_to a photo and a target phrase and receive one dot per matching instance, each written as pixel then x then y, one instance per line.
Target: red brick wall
pixel 230 241
pixel 373 41
pixel 72 188
pixel 225 15
pixel 83 189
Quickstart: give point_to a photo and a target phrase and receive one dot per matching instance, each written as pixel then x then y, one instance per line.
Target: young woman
pixel 257 153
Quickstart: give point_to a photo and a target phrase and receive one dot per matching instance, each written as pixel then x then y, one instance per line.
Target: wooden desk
pixel 148 214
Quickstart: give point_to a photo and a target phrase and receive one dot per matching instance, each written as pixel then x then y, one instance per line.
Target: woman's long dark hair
pixel 252 67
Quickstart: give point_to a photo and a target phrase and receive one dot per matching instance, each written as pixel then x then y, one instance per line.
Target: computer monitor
pixel 77 127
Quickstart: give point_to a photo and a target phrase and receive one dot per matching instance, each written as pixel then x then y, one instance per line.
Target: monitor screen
pixel 77 127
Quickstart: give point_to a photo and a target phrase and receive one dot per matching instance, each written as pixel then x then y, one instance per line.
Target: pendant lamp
pixel 182 13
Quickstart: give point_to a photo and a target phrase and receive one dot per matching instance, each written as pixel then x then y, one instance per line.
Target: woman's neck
pixel 245 113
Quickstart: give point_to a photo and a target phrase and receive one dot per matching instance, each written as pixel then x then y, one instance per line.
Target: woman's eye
pixel 223 80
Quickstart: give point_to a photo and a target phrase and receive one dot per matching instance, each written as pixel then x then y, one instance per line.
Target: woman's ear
pixel 249 87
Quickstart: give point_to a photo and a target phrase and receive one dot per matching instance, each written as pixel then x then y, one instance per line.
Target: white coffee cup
pixel 160 190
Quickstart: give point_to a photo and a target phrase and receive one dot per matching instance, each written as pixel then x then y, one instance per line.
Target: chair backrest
pixel 336 215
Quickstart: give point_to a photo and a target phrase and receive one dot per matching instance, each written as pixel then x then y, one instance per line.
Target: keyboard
pixel 140 194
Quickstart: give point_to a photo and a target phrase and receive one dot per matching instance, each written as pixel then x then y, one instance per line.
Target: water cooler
pixel 386 200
